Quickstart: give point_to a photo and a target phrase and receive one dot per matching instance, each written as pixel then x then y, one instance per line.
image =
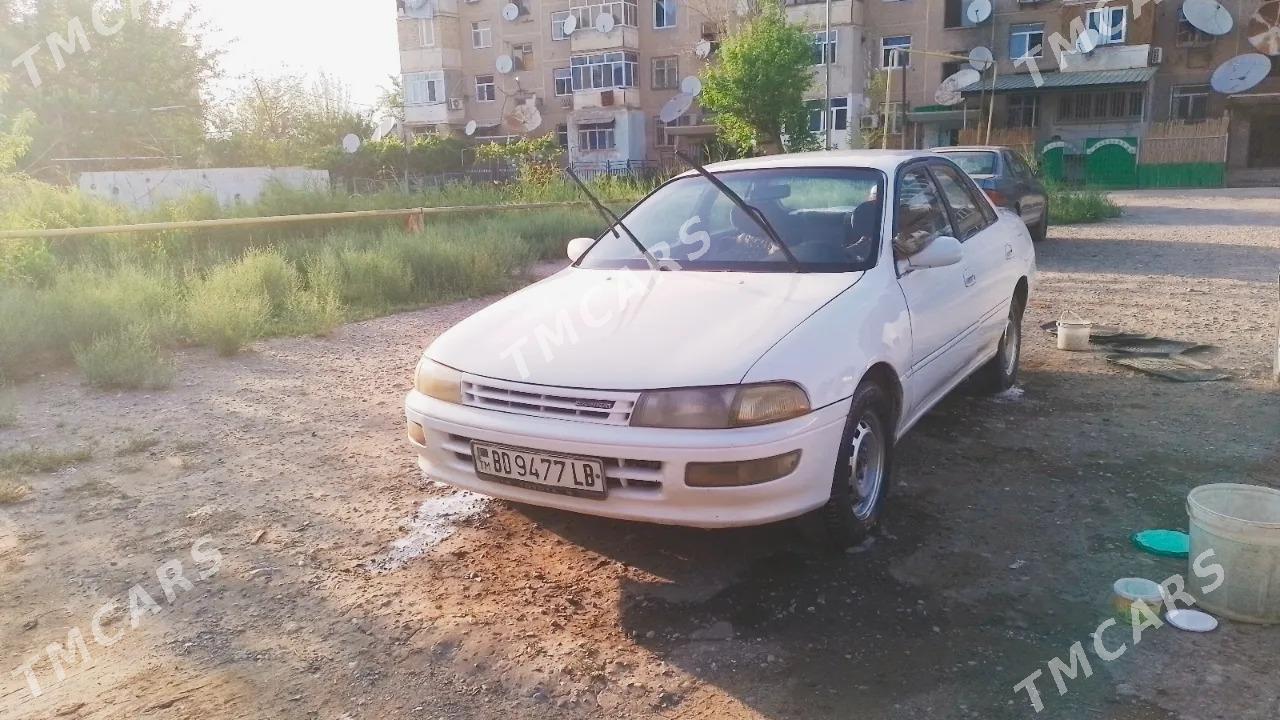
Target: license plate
pixel 563 474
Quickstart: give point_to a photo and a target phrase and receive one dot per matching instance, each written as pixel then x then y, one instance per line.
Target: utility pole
pixel 826 94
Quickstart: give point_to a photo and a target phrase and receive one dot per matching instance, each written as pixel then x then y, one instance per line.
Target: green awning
pixel 1051 81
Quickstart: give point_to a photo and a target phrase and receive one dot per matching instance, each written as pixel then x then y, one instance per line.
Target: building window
pixel 1109 22
pixel 1026 41
pixel 839 114
pixel 599 71
pixel 426 33
pixel 1189 35
pixel 895 42
pixel 666 139
pixel 562 135
pixel 1022 111
pixel 953 14
pixel 666 72
pixel 1189 102
pixel 557 24
pixel 563 78
pixel 485 90
pixel 595 136
pixel 951 67
pixel 423 88
pixel 481 35
pixel 623 12
pixel 664 14
pixel 825 47
pixel 1103 106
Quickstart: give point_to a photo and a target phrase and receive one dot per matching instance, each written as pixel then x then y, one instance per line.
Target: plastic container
pixel 1074 332
pixel 1127 591
pixel 1241 524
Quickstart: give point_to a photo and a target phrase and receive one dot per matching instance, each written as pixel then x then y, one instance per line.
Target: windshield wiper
pixel 752 212
pixel 616 222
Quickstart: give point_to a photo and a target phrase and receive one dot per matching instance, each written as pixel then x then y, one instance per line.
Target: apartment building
pixel 598 71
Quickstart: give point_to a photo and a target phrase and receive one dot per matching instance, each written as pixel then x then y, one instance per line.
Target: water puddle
pixel 1012 395
pixel 436 520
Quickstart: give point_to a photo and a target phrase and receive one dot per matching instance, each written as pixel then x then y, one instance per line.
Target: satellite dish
pixel 978 11
pixel 1088 41
pixel 980 58
pixel 505 64
pixel 1264 28
pixel 1208 15
pixel 1240 73
pixel 949 89
pixel 691 86
pixel 351 144
pixel 702 48
pixel 605 23
pixel 510 12
pixel 525 117
pixel 470 128
pixel 570 25
pixel 675 107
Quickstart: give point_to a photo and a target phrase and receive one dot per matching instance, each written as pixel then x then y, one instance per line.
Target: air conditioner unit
pixel 1157 55
pixel 870 121
pixel 454 103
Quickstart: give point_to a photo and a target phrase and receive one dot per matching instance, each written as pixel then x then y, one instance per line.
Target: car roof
pixel 885 160
pixel 962 148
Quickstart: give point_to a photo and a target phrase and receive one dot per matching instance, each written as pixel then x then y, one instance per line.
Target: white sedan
pixel 745 346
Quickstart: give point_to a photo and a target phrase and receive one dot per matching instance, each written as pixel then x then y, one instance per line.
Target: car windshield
pixel 828 217
pixel 976 162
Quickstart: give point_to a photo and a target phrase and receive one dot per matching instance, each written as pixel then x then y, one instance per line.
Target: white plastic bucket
pixel 1241 524
pixel 1074 332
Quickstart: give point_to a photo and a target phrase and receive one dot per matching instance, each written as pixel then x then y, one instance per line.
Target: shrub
pixel 37 460
pixel 225 313
pixel 128 358
pixel 8 408
pixel 1069 207
pixel 12 491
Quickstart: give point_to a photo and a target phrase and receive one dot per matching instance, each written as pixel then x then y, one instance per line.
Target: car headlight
pixel 729 406
pixel 438 381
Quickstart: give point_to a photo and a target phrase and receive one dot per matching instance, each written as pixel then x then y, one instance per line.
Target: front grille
pixel 597 406
pixel 619 472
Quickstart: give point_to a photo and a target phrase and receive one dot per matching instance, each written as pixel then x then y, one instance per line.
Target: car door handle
pixel 970 280
pixel 1008 252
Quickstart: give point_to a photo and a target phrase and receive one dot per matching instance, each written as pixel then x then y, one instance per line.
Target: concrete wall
pixel 144 189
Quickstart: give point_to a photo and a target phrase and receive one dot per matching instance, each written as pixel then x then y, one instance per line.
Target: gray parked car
pixel 1004 175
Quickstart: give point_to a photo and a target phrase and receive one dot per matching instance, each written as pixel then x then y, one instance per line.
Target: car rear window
pixel 976 162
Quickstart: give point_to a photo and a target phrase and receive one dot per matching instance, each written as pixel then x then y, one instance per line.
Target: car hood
pixel 634 330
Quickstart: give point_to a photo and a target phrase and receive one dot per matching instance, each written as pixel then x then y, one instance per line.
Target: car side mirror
pixel 578 247
pixel 944 251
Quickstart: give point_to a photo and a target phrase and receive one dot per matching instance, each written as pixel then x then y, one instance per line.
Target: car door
pixel 989 255
pixel 942 315
pixel 1030 192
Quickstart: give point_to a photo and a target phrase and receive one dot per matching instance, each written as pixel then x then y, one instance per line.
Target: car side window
pixel 966 210
pixel 920 217
pixel 1020 167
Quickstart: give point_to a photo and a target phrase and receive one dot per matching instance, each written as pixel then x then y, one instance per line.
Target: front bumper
pixel 645 466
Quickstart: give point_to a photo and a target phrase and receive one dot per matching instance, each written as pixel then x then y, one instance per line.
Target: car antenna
pixel 616 221
pixel 752 212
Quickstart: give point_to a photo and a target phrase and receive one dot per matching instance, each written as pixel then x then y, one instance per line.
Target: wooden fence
pixel 1179 141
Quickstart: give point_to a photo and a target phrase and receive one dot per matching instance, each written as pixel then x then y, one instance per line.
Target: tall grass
pixel 1074 206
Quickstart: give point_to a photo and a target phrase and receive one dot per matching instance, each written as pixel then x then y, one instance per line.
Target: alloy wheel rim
pixel 1011 345
pixel 866 468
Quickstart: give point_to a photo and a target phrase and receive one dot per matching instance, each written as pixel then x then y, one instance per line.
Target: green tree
pixel 14 138
pixel 121 79
pixel 757 84
pixel 286 120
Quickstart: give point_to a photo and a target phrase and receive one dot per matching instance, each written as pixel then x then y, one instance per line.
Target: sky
pixel 352 40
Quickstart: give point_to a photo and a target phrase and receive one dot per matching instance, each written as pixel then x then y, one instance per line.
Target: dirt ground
pixel 281 482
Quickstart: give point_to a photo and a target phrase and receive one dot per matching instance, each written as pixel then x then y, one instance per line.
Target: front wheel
pixel 863 470
pixel 1040 230
pixel 1001 372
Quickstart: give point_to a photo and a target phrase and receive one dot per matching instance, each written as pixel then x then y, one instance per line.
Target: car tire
pixel 863 470
pixel 1040 230
pixel 1001 372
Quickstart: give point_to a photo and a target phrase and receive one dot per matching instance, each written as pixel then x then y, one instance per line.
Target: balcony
pixel 589 39
pixel 449 112
pixel 620 98
pixel 425 59
pixel 1107 57
pixel 813 13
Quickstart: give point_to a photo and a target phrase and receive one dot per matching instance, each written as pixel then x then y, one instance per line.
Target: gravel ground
pixel 328 580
